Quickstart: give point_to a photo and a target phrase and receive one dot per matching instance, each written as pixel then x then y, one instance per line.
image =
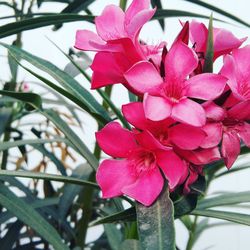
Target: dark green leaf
pixel 76 142
pixel 5 115
pixel 156 224
pixel 209 57
pixel 32 99
pixel 157 3
pixel 37 22
pixel 51 177
pixel 67 82
pixel 114 236
pixel 161 14
pixel 70 191
pixel 29 216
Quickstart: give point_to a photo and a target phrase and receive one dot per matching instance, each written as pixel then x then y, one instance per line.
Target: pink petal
pixel 156 108
pixel 205 86
pixel 180 62
pixel 213 111
pixel 230 148
pixel 189 112
pixel 134 8
pixel 144 77
pixel 88 40
pixel 113 175
pixel 148 141
pixel 108 68
pixel 134 26
pixel 110 24
pixel 245 134
pixel 172 166
pixel 240 111
pixel 107 139
pixel 186 137
pixel 184 33
pixel 198 35
pixel 242 57
pixel 134 114
pixel 201 156
pixel 229 70
pixel 225 42
pixel 214 135
pixel 147 187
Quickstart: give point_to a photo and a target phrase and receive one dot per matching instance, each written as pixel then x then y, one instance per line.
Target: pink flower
pixel 224 40
pixel 237 69
pixel 170 96
pixel 228 125
pixel 137 172
pixel 167 132
pixel 117 43
pixel 114 24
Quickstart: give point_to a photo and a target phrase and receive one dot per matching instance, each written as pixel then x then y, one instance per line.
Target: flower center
pixel 143 160
pixel 173 90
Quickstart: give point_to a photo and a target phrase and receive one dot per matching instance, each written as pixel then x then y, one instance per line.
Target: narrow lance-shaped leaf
pixel 239 218
pixel 156 224
pixel 66 81
pixel 208 64
pixel 37 22
pixel 157 3
pixel 51 177
pixel 29 216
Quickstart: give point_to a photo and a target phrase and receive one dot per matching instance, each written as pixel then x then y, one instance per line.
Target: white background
pixel 231 237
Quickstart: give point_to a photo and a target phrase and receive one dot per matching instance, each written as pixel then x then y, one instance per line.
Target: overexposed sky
pixel 232 237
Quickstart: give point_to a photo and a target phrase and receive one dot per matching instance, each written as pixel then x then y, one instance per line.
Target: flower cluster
pixel 186 118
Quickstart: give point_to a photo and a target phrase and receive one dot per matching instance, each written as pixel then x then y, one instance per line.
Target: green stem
pixel 191 239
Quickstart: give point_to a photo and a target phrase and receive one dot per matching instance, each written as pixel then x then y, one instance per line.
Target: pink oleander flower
pixel 224 40
pixel 237 69
pixel 167 131
pixel 169 96
pixel 136 169
pixel 228 126
pixel 117 43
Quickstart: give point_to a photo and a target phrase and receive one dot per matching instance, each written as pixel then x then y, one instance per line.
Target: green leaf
pixel 114 236
pixel 12 144
pixel 77 5
pixel 166 13
pixel 32 99
pixel 70 191
pixel 67 82
pixel 156 224
pixel 131 245
pixel 224 200
pixel 220 11
pixel 51 177
pixel 208 64
pixel 37 22
pixel 157 3
pixel 29 216
pixel 239 218
pixel 5 115
pixel 125 215
pixel 76 142
pixel 232 170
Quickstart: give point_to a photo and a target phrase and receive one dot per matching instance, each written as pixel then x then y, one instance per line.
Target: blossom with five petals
pixel 137 171
pixel 170 96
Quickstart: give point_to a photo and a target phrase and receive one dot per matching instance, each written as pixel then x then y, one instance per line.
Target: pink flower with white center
pixel 137 171
pixel 224 40
pixel 237 69
pixel 169 97
pixel 228 125
pixel 167 131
